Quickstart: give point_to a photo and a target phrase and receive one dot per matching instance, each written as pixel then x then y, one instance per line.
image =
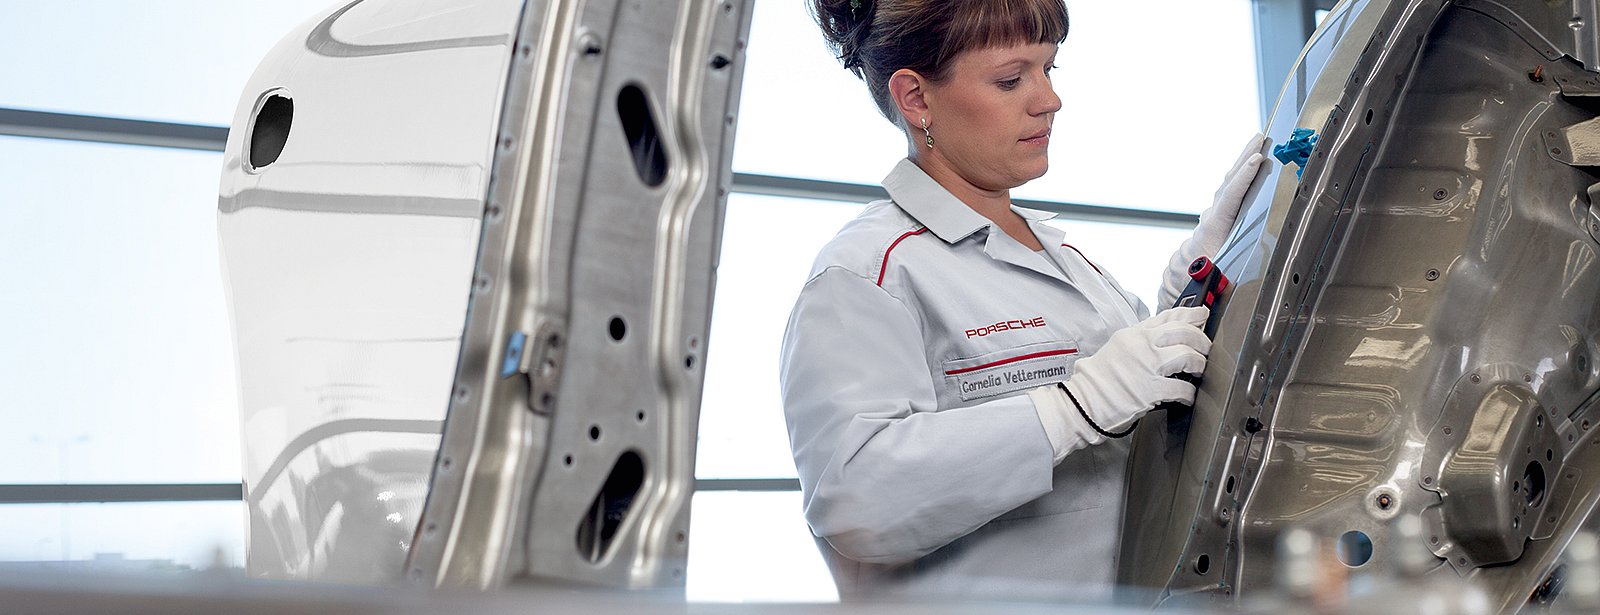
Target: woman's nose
pixel 1048 102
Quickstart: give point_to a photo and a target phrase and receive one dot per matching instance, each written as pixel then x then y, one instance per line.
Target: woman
pixel 955 375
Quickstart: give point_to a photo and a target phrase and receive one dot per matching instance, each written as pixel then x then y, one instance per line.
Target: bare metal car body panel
pixel 1413 323
pixel 470 286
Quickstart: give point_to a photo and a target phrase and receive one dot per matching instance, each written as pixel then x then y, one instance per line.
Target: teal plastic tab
pixel 1297 150
pixel 513 360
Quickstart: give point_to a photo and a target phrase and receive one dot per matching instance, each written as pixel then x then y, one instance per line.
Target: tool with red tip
pixel 1206 284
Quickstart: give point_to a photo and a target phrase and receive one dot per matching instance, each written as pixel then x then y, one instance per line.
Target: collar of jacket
pixel 934 207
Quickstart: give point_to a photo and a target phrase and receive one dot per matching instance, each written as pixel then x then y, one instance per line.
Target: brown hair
pixel 875 38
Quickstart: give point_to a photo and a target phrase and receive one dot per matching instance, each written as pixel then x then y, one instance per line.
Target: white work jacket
pixel 923 464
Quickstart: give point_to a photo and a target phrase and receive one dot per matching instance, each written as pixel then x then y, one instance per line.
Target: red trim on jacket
pixel 1085 258
pixel 885 268
pixel 1036 355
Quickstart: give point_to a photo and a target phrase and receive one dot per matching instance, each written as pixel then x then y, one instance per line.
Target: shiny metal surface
pixel 571 457
pixel 1414 322
pixel 1171 470
pixel 576 326
pixel 348 262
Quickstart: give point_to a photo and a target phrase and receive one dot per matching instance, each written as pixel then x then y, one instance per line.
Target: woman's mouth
pixel 1039 138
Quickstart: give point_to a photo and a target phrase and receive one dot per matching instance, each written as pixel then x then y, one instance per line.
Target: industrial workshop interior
pixel 729 306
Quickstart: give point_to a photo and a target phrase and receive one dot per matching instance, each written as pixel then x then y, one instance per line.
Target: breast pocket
pixel 1012 369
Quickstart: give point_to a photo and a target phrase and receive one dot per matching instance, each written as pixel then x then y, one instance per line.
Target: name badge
pixel 1011 370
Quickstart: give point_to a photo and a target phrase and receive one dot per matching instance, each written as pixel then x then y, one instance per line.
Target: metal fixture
pixel 1381 398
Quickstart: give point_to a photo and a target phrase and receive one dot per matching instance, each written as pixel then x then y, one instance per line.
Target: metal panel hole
pixel 1202 564
pixel 599 526
pixel 1533 483
pixel 1228 486
pixel 639 415
pixel 594 432
pixel 1354 549
pixel 618 328
pixel 644 139
pixel 270 131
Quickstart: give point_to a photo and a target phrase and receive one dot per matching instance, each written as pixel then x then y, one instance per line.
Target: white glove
pixel 1215 223
pixel 1127 377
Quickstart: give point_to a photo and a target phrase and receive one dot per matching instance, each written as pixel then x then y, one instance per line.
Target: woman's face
pixel 991 116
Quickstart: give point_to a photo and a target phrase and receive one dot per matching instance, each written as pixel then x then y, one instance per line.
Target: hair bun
pixel 844 25
pixel 876 38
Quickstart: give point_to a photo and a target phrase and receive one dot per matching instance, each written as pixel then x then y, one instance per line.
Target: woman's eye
pixel 1049 68
pixel 1010 84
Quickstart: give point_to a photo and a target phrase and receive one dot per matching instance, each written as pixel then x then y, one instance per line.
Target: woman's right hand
pixel 1130 375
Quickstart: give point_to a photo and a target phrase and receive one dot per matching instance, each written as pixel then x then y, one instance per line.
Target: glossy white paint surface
pixel 347 264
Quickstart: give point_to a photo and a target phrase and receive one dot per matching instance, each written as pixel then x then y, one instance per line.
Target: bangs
pixel 981 24
pixel 926 35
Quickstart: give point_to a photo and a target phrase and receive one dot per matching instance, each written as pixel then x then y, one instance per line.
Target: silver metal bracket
pixel 1577 145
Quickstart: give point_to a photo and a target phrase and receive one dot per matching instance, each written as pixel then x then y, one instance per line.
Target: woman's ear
pixel 910 92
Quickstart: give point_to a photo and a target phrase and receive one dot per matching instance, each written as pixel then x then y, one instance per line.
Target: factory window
pixel 119 362
pixel 122 537
pixel 119 367
pixel 174 60
pixel 754 547
pixel 768 244
pixel 1151 116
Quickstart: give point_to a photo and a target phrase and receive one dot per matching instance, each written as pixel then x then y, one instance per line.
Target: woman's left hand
pixel 1215 223
pixel 1218 221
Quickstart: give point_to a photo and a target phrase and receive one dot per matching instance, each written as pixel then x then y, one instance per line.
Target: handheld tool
pixel 1206 284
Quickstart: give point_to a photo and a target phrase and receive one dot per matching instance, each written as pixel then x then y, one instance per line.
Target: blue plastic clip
pixel 1297 150
pixel 513 354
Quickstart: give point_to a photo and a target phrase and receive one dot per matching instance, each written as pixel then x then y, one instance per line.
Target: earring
pixel 927 136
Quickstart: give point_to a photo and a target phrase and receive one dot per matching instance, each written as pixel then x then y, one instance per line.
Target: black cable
pixel 1085 415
